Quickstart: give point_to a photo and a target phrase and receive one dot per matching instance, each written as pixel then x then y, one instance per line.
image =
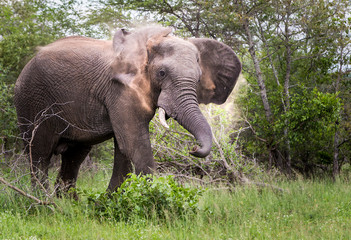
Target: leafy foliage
pixel 8 123
pixel 313 113
pixel 312 124
pixel 145 197
pixel 24 25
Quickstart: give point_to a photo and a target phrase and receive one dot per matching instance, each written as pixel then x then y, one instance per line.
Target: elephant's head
pixel 179 73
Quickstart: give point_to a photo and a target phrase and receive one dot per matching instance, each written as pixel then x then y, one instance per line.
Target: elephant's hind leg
pixel 40 150
pixel 72 158
pixel 39 168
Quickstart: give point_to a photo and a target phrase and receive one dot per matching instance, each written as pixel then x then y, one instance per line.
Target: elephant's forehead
pixel 179 45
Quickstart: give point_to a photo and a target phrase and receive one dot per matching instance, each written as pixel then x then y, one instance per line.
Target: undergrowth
pixel 145 196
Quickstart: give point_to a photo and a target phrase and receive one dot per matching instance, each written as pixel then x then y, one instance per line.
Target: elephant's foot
pixel 66 189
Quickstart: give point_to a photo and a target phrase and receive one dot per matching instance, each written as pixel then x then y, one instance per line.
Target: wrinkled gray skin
pixel 77 92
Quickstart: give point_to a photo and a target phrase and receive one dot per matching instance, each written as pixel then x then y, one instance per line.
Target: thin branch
pixel 254 132
pixel 23 193
pixel 230 169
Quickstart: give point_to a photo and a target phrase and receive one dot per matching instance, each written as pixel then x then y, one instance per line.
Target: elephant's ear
pixel 118 39
pixel 220 70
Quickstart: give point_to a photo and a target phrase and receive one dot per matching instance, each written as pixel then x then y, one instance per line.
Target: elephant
pixel 78 91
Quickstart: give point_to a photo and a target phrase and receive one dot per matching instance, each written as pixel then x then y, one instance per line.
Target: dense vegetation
pixel 289 117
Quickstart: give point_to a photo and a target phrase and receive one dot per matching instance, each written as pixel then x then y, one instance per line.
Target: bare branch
pixel 27 195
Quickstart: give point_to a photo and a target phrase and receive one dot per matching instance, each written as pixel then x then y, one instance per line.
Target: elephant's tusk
pixel 162 117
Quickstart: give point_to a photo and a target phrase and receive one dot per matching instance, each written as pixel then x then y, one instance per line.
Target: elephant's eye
pixel 162 73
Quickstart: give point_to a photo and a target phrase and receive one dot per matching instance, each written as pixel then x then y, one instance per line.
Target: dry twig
pixel 23 193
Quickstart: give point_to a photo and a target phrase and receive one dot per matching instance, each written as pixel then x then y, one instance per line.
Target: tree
pixel 340 27
pixel 295 51
pixel 24 25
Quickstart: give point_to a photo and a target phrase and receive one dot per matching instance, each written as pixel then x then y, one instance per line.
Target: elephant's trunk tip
pixel 201 152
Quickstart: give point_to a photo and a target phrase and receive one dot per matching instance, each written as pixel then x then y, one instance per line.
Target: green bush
pixel 145 197
pixel 8 119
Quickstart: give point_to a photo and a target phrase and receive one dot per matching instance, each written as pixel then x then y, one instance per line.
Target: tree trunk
pixel 260 81
pixel 336 166
pixel 274 155
pixel 286 90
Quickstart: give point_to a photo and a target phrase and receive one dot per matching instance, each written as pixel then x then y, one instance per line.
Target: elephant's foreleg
pixel 121 167
pixel 132 141
pixel 138 157
pixel 72 158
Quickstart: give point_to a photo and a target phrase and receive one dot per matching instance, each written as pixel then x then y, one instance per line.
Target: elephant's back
pixel 78 48
pixel 63 63
pixel 61 75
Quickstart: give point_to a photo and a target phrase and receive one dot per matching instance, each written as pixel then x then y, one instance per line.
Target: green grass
pixel 306 210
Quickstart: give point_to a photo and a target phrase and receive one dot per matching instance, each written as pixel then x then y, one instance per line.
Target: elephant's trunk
pixel 188 114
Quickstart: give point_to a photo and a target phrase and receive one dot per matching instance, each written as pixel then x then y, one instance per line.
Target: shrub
pixel 8 119
pixel 144 197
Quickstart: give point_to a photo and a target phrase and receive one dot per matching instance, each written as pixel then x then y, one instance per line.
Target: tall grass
pixel 304 210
